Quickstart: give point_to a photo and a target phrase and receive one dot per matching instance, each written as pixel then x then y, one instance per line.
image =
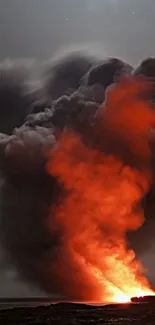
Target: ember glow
pixel 102 203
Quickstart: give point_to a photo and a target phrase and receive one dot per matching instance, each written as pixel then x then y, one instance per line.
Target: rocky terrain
pixel 67 313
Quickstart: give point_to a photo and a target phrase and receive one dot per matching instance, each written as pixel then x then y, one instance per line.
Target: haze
pixel 37 28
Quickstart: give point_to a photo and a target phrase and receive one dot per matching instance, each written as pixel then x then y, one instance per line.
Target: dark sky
pixel 38 28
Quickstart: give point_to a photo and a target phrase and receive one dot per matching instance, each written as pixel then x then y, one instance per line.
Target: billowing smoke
pixel 66 99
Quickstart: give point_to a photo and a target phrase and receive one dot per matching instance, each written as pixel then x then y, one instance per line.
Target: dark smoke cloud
pixel 15 93
pixel 22 92
pixel 26 194
pixel 63 74
pixel 107 72
pixel 67 95
pixel 146 68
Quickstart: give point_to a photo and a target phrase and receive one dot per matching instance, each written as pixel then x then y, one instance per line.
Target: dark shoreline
pixel 72 313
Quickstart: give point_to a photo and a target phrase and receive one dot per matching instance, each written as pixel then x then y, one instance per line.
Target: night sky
pixel 37 28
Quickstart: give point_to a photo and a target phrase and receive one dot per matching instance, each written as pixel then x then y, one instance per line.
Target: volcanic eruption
pixel 73 178
pixel 102 199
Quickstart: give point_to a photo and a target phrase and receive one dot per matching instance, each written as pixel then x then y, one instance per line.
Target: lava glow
pixel 101 204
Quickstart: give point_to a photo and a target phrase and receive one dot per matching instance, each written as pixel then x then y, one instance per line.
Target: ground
pixel 142 314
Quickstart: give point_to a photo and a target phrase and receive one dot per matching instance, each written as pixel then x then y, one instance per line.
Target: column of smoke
pixel 102 199
pixel 65 227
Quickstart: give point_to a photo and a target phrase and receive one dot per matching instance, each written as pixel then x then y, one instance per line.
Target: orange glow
pixel 102 203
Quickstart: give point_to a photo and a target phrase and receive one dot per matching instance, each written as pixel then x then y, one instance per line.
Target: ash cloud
pixel 66 94
pixel 15 93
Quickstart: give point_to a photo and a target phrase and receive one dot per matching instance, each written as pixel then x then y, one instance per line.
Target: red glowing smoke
pixel 102 200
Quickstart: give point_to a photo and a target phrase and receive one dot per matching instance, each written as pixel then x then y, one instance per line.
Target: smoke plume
pixel 74 172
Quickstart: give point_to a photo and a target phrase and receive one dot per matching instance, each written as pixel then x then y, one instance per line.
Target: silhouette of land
pixel 144 299
pixel 72 313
